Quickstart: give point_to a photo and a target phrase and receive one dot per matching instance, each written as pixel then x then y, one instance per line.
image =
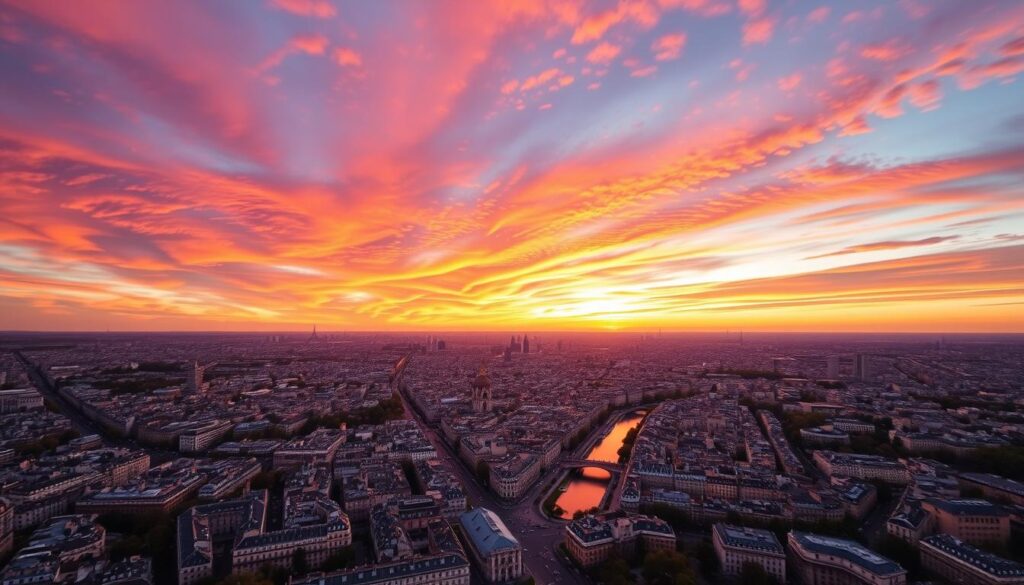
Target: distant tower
pixel 526 344
pixel 482 391
pixel 313 337
pixel 195 378
pixel 861 369
pixel 833 367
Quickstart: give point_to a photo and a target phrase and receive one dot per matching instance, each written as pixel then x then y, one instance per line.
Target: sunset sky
pixel 530 165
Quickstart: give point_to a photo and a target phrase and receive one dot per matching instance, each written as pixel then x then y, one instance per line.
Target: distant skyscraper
pixel 833 367
pixel 861 369
pixel 482 391
pixel 526 344
pixel 195 378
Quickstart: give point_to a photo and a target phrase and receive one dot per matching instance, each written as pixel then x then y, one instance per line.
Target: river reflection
pixel 587 486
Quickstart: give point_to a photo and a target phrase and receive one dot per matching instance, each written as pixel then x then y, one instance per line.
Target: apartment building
pixel 824 560
pixel 955 561
pixel 736 546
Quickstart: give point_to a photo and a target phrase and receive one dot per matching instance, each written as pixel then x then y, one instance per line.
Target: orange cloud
pixel 603 53
pixel 594 27
pixel 165 185
pixel 889 245
pixel 347 57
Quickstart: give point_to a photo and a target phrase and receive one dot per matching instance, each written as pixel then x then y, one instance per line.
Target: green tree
pixel 341 559
pixel 754 574
pixel 614 571
pixel 667 567
pixel 245 579
pixel 901 551
pixel 483 472
pixel 300 565
pixel 709 565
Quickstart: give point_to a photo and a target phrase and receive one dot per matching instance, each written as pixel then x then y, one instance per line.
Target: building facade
pixel 955 561
pixel 494 549
pixel 736 546
pixel 823 560
pixel 591 540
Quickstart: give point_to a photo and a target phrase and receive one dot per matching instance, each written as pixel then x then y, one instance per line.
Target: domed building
pixel 482 391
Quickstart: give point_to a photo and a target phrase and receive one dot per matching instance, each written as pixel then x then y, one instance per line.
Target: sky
pixel 528 165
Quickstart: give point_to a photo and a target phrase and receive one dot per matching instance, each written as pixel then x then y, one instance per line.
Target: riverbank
pixel 587 488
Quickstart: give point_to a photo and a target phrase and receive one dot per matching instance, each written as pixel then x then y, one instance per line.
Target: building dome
pixel 482 381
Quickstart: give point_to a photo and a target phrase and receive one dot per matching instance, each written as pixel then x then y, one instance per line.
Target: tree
pixel 901 551
pixel 339 560
pixel 709 565
pixel 245 579
pixel 299 564
pixel 614 571
pixel 667 567
pixel 483 472
pixel 754 574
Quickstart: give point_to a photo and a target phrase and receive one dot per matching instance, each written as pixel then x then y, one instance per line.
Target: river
pixel 588 485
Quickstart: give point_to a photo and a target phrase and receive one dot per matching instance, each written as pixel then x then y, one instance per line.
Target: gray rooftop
pixel 487 532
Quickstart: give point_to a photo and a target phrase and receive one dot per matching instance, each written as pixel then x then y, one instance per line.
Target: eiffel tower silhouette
pixel 313 337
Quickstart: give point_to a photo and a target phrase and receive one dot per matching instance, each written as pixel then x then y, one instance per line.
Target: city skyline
pixel 632 165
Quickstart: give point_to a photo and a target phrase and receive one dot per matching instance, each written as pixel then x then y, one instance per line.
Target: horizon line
pixel 734 332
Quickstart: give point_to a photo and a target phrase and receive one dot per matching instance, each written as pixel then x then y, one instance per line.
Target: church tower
pixel 482 391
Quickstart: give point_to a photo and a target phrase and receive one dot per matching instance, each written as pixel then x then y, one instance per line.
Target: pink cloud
pixel 707 8
pixel 855 127
pixel 925 95
pixel 759 31
pixel 309 44
pixel 669 46
pixel 752 7
pixel 347 57
pixel 818 15
pixel 314 8
pixel 790 82
pixel 742 69
pixel 1013 48
pixel 594 27
pixel 539 79
pixel 890 50
pixel 603 53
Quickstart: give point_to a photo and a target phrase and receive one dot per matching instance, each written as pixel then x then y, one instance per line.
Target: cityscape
pixel 337 458
pixel 511 292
